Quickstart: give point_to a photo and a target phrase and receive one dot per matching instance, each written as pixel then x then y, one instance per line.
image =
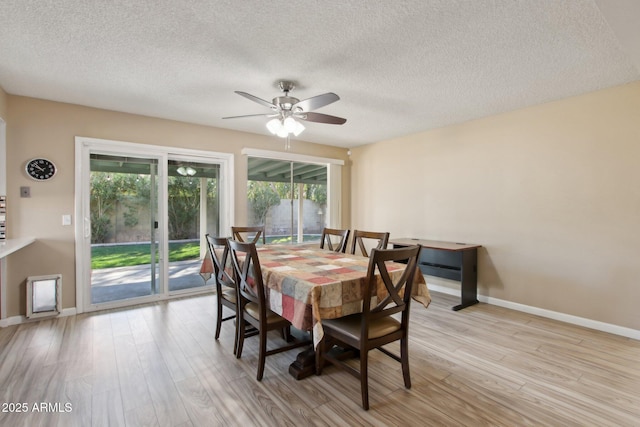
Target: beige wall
pixel 3 104
pixel 552 192
pixel 43 128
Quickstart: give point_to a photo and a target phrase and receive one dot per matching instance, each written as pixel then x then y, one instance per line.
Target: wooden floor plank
pixel 106 409
pixel 79 394
pixel 144 416
pixel 162 389
pixel 133 386
pixel 159 365
pixel 198 404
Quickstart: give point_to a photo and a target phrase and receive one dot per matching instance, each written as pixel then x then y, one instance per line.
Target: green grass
pixel 287 239
pixel 128 255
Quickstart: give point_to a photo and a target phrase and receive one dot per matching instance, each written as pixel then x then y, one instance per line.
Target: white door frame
pixel 83 147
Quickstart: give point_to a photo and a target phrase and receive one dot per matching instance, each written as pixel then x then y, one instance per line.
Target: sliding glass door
pixel 123 222
pixel 193 210
pixel 143 215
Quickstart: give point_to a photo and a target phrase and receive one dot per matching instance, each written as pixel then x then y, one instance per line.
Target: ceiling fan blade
pixel 251 115
pixel 256 99
pixel 315 102
pixel 320 118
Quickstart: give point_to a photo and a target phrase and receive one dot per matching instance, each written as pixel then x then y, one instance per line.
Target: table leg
pixel 304 365
pixel 469 279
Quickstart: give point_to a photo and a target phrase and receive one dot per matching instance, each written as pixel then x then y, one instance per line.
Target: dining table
pixel 306 284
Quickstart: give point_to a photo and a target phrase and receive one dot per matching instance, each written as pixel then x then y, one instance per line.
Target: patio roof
pixel 271 170
pixel 260 169
pixel 136 165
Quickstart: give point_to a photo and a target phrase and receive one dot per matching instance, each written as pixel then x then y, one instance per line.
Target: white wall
pixel 3 143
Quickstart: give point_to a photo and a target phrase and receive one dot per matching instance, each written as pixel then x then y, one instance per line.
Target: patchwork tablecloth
pixel 305 285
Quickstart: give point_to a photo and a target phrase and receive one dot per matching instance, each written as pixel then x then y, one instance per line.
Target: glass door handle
pixel 87 228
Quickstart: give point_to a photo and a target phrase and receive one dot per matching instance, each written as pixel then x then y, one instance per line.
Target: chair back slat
pixel 257 232
pixel 397 295
pixel 248 273
pixel 220 261
pixel 341 246
pixel 359 236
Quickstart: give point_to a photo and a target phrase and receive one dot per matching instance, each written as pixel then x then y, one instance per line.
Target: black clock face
pixel 40 169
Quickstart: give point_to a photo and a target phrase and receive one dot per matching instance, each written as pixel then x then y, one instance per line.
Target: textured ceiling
pixel 400 67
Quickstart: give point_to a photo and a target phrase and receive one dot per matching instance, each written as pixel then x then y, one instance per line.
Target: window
pixel 293 196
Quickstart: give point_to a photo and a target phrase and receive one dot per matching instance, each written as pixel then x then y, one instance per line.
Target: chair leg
pixel 286 334
pixel 404 358
pixel 364 378
pixel 239 333
pixel 219 317
pixel 262 355
pixel 235 340
pixel 319 358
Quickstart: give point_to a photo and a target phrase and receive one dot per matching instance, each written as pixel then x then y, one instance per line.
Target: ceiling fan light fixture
pixel 283 128
pixel 282 132
pixel 274 125
pixel 289 124
pixel 299 127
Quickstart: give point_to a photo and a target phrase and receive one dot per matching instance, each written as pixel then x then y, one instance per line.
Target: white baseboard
pixel 16 320
pixel 567 318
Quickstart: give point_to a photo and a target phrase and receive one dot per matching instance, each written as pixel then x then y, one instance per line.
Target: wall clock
pixel 40 169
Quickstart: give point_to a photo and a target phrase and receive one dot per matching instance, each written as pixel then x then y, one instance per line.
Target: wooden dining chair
pixel 225 285
pixel 375 326
pixel 359 237
pixel 343 236
pixel 252 304
pixel 257 232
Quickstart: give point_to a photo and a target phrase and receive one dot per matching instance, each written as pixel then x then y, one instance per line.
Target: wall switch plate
pixel 25 191
pixel 66 219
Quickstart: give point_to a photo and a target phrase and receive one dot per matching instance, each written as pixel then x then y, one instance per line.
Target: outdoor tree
pixel 282 188
pixel 135 195
pixel 183 206
pixel 108 190
pixel 316 193
pixel 104 196
pixel 262 196
pixel 130 193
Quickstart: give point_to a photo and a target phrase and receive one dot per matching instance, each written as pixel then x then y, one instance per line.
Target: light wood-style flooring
pixel 159 364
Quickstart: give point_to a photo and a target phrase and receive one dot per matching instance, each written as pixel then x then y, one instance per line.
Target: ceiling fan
pixel 286 109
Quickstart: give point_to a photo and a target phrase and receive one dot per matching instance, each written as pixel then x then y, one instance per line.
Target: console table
pixel 449 260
